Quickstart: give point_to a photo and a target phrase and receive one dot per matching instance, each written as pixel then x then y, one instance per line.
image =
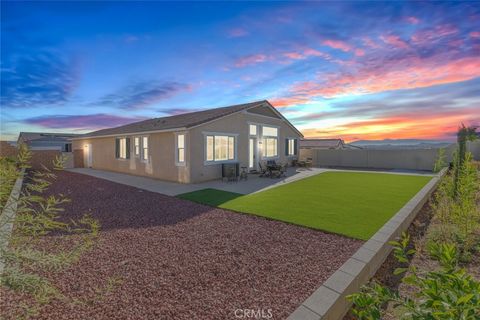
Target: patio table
pixel 271 168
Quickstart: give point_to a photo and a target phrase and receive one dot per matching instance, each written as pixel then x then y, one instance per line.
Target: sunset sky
pixel 354 70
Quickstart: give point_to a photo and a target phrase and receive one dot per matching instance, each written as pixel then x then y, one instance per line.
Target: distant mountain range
pixel 401 144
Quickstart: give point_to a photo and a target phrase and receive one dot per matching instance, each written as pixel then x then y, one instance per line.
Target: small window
pixel 220 148
pixel 145 148
pixel 181 148
pixel 253 130
pixel 136 143
pixel 290 147
pixel 270 131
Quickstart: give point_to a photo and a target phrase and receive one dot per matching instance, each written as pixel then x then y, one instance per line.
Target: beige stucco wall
pixel 161 164
pixel 237 123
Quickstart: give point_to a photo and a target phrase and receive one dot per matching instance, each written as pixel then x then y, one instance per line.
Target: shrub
pixel 37 215
pixel 447 293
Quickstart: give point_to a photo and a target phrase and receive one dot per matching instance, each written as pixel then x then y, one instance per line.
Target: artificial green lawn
pixel 354 204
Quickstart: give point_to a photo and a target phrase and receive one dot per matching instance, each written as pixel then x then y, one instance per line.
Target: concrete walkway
pixel 253 184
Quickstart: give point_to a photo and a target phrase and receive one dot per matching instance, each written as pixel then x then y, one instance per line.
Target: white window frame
pixel 142 152
pixel 256 129
pixel 293 147
pixel 135 153
pixel 122 138
pixel 177 161
pixel 264 146
pixel 223 134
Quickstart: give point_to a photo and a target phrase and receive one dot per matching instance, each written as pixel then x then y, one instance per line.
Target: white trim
pixel 139 146
pixel 130 134
pixel 285 119
pixel 142 159
pixel 184 163
pixel 213 162
pixel 261 115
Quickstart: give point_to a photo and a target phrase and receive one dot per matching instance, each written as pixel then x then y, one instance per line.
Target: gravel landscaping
pixel 172 258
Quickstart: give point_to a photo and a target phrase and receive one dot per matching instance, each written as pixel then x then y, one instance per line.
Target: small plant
pixel 440 162
pixel 37 215
pixel 447 293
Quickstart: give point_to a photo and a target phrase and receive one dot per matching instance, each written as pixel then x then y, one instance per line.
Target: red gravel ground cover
pixel 181 260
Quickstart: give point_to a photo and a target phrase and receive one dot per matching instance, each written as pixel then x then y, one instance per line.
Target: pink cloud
pixel 408 73
pixel 250 60
pixel 308 52
pixel 337 44
pixel 475 34
pixel 433 35
pixel 412 20
pixel 394 41
pixel 370 43
pixel 237 33
pixel 359 52
pixel 294 55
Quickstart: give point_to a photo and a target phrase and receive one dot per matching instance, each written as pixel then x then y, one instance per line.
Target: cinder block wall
pixel 7 150
pixel 42 158
pixel 409 159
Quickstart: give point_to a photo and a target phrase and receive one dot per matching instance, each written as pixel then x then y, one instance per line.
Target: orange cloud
pixel 400 127
pixel 337 44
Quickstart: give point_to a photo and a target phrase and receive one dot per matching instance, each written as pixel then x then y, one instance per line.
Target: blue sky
pixel 355 70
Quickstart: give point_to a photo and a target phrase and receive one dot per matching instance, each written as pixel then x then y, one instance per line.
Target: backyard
pixel 160 257
pixel 354 204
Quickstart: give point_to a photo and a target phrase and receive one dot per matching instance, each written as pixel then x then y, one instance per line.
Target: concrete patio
pixel 255 183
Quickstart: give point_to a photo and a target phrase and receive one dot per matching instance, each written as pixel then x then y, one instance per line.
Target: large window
pixel 220 148
pixel 122 148
pixel 145 148
pixel 136 146
pixel 180 156
pixel 270 141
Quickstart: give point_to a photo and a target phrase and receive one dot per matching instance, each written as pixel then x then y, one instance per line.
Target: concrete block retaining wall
pixel 7 216
pixel 329 300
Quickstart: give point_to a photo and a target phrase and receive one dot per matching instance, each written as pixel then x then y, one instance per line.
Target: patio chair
pixel 263 169
pixel 283 170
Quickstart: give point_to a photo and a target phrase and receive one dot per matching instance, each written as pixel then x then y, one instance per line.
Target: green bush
pixel 37 215
pixel 444 294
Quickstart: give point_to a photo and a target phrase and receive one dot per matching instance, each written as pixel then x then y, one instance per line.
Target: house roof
pixel 181 121
pixel 321 143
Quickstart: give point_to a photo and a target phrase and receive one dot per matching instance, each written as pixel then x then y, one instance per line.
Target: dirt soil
pixel 173 259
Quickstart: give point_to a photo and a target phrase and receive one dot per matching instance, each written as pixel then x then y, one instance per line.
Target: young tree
pixel 464 134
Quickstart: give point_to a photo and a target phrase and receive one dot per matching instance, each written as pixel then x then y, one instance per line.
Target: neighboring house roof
pixel 45 136
pixel 321 143
pixel 183 121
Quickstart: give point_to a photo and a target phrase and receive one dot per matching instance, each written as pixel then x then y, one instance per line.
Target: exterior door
pixel 88 155
pixel 252 154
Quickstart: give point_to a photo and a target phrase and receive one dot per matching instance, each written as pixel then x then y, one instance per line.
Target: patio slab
pixel 253 184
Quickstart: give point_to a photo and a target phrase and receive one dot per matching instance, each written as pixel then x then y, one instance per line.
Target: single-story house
pixel 192 147
pixel 47 141
pixel 335 144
